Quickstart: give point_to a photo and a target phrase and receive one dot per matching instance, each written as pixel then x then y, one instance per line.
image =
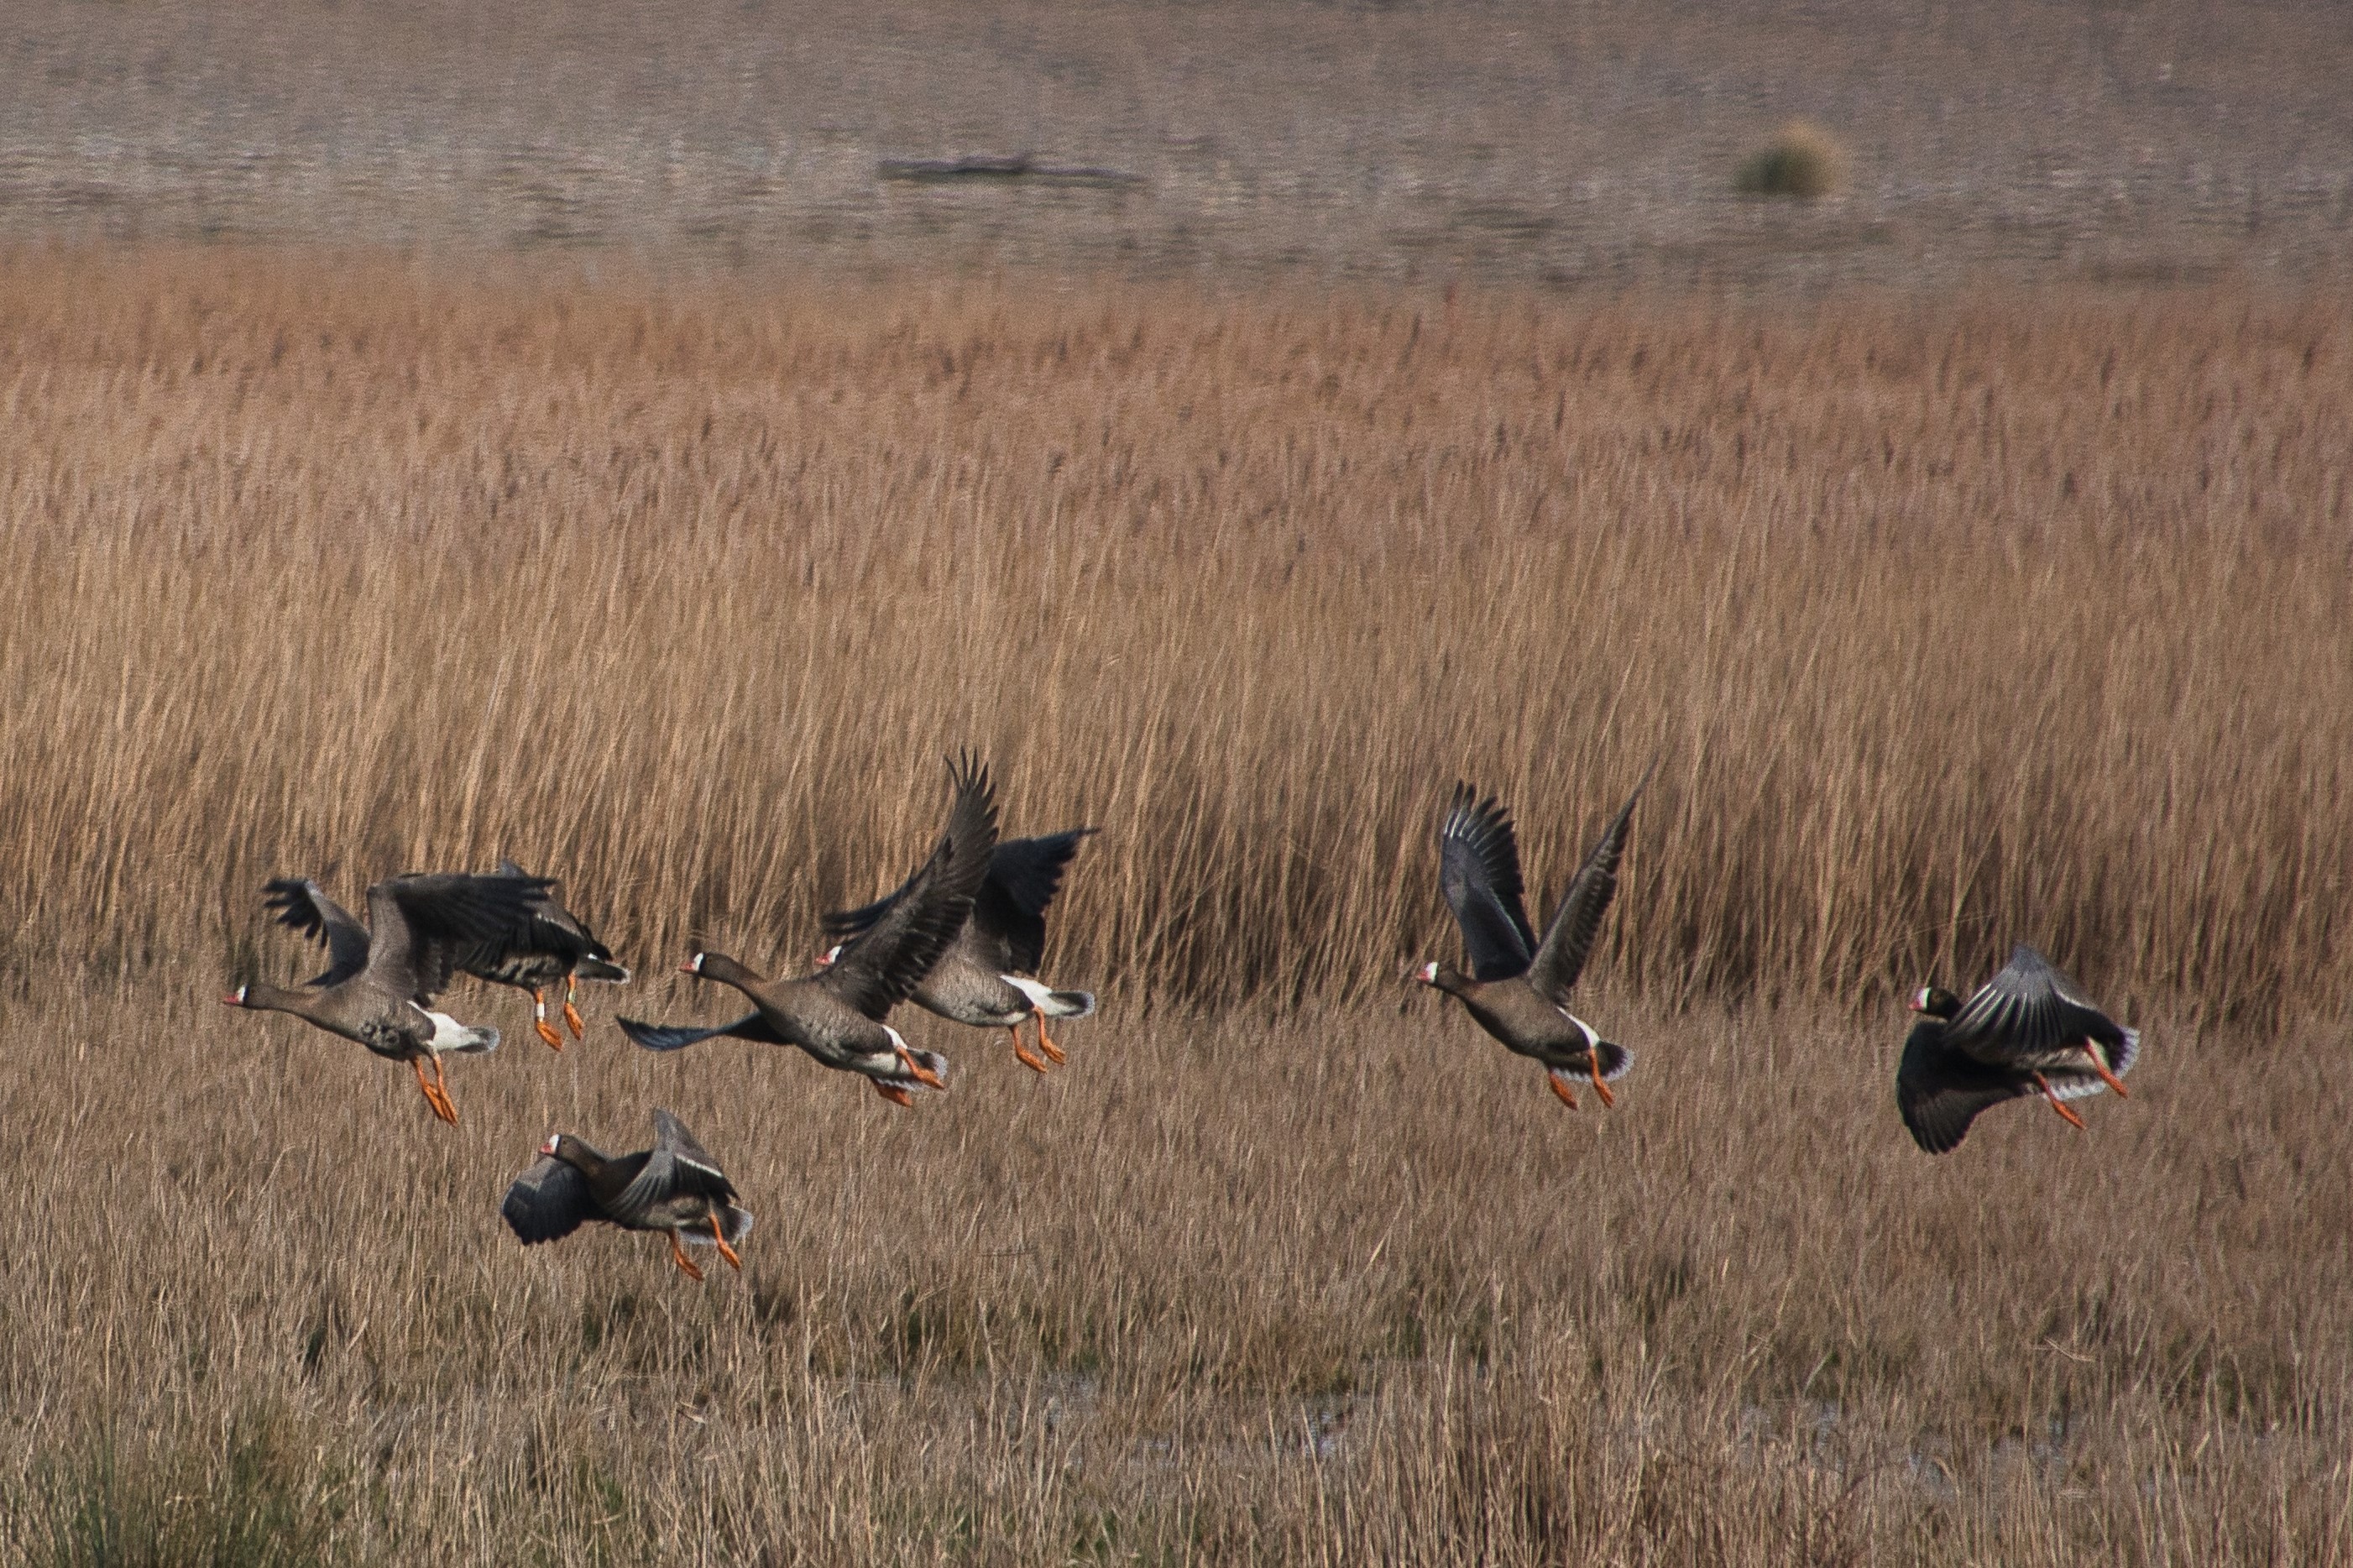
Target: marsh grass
pixel 1952 625
pixel 1222 1291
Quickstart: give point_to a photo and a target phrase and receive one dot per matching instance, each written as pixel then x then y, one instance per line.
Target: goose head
pixel 1935 1002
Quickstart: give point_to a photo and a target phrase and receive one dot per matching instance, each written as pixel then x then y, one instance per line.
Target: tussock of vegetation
pixel 1802 159
pixel 140 1502
pixel 1953 626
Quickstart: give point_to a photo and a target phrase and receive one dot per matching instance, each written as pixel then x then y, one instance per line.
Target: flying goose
pixel 565 948
pixel 2028 1030
pixel 558 946
pixel 1518 988
pixel 836 1015
pixel 987 976
pixel 674 1186
pixel 379 977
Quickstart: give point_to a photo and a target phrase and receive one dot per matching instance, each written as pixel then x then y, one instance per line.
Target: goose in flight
pixel 2028 1030
pixel 381 977
pixel 989 976
pixel 837 1013
pixel 675 1186
pixel 1518 987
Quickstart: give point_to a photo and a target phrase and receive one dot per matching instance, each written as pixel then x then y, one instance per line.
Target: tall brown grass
pixel 1953 625
pixel 1349 1287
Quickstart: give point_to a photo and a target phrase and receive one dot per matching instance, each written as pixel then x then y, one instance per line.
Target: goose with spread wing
pixel 989 976
pixel 562 948
pixel 836 1014
pixel 380 977
pixel 1518 987
pixel 557 945
pixel 675 1186
pixel 2028 1030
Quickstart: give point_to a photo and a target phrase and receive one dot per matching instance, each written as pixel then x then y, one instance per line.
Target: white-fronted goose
pixel 421 929
pixel 1518 988
pixel 674 1186
pixel 987 977
pixel 836 1015
pixel 2028 1030
pixel 559 946
pixel 563 948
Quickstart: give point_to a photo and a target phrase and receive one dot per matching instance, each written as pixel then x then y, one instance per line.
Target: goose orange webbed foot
pixel 919 1072
pixel 572 1019
pixel 1048 1046
pixel 1560 1087
pixel 678 1254
pixel 2100 1066
pixel 539 1021
pixel 719 1234
pixel 895 1093
pixel 437 1096
pixel 1608 1100
pixel 1022 1054
pixel 2066 1112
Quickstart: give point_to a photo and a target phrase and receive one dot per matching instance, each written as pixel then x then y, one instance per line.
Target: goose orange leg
pixel 1021 1052
pixel 571 1014
pixel 1050 1048
pixel 438 1098
pixel 2100 1065
pixel 918 1072
pixel 1560 1087
pixel 678 1253
pixel 538 1020
pixel 2057 1104
pixel 1608 1100
pixel 719 1234
pixel 441 1088
pixel 895 1093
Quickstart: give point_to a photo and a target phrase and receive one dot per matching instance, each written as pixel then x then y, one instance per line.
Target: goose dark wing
pixel 671 1134
pixel 676 1166
pixel 1008 929
pixel 548 1201
pixel 427 926
pixel 1569 942
pixel 877 969
pixel 678 1037
pixel 301 904
pixel 556 940
pixel 1008 914
pixel 1478 870
pixel 2031 1016
pixel 1940 1090
pixel 843 924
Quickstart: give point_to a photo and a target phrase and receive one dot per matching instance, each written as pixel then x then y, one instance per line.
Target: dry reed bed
pixel 1346 1287
pixel 1951 625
